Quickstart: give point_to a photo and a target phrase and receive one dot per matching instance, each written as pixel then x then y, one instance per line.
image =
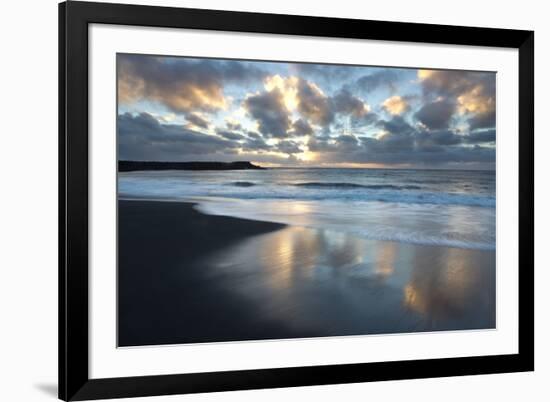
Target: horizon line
pixel 271 166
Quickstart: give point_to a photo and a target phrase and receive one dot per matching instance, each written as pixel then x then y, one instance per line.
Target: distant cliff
pixel 129 166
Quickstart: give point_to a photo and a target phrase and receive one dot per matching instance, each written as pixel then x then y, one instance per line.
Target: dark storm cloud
pixel 390 143
pixel 436 115
pixel 439 117
pixel 142 137
pixel 325 72
pixel 456 83
pixel 197 120
pixel 301 127
pixel 440 137
pixel 253 135
pixel 483 120
pixel 320 143
pixel 255 142
pixel 269 110
pixel 230 135
pixel 473 92
pixel 288 147
pixel 396 125
pixel 346 143
pixel 435 141
pixel 381 79
pixel 481 136
pixel 407 149
pixel 313 104
pixel 182 84
pixel 321 109
pixel 403 143
pixel 368 119
pixel 346 103
pixel 255 145
pixel 342 145
pixel 234 126
pixel 401 135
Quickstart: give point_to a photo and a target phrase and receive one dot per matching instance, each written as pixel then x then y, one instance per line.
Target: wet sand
pixel 187 277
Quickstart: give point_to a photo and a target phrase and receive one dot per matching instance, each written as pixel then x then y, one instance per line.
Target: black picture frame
pixel 74 18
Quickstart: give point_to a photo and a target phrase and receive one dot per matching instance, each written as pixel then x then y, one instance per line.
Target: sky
pixel 298 114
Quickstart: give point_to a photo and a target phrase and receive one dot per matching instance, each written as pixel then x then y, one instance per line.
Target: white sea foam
pixel 455 209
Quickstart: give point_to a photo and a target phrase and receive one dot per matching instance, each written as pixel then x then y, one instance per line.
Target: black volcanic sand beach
pixel 187 277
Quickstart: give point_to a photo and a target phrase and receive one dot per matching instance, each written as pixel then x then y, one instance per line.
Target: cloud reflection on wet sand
pixel 333 283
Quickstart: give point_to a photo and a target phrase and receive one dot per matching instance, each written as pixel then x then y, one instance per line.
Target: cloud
pixel 481 136
pixel 456 82
pixel 288 147
pixel 256 145
pixel 142 137
pixel 342 145
pixel 269 111
pixel 346 103
pixel 480 106
pixel 326 73
pixel 482 120
pixel 395 105
pixel 403 149
pixel 253 134
pixel 472 92
pixel 301 127
pixel 396 125
pixel 390 142
pixel 232 124
pixel 295 108
pixel 436 141
pixel 287 87
pixel 181 84
pixel 302 95
pixel 346 143
pixel 313 103
pixel 322 109
pixel 230 135
pixel 404 144
pixel 436 115
pixel 386 78
pixel 197 121
pixel 368 119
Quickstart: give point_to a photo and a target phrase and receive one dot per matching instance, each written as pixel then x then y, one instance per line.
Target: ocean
pixel 453 208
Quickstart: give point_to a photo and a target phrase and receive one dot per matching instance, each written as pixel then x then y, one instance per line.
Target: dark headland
pixel 129 166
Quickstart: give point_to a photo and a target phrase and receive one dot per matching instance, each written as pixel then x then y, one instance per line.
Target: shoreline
pixel 189 277
pixel 204 201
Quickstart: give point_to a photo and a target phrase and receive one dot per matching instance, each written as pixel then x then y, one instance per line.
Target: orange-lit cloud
pixel 185 108
pixel 423 74
pixel 180 96
pixel 288 88
pixel 181 84
pixel 473 93
pixel 313 103
pixel 474 101
pixel 395 105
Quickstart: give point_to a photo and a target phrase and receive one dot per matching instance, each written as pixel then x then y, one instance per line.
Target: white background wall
pixel 28 199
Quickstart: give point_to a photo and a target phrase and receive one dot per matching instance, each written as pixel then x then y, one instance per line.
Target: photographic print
pixel 262 200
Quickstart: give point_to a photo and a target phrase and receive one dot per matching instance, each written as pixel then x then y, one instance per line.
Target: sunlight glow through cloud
pixel 288 114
